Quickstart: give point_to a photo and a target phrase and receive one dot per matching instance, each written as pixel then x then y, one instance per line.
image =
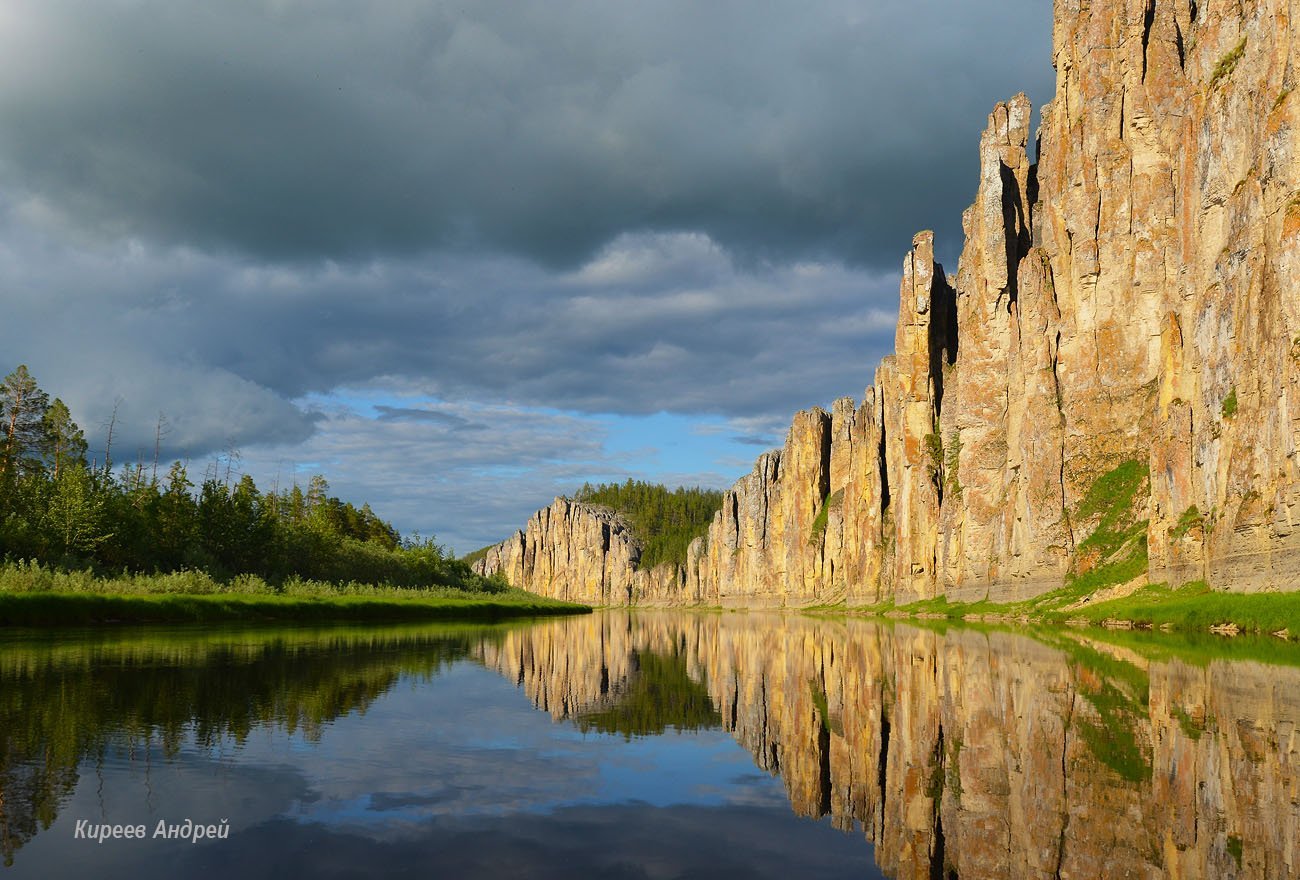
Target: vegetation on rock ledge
pixel 835 499
pixel 1116 550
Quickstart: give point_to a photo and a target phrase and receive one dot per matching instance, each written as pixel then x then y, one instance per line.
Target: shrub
pixel 1230 404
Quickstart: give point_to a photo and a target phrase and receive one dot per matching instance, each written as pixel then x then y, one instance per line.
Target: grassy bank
pixel 1194 608
pixel 33 595
pixel 79 609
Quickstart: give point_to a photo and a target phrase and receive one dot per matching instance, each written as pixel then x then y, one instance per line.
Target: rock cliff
pixel 1123 310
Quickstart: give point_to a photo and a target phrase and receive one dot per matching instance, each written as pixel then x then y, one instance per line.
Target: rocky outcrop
pixel 1123 304
pixel 971 754
pixel 571 551
pixel 584 553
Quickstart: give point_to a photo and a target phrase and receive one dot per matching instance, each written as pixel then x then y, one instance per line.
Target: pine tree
pixel 62 442
pixel 22 406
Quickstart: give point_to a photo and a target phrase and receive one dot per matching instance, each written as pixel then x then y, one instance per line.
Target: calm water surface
pixel 651 745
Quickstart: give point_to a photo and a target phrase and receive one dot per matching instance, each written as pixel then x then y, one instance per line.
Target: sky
pixel 462 257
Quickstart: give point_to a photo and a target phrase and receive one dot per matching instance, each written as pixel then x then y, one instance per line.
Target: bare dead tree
pixel 108 444
pixel 232 456
pixel 161 430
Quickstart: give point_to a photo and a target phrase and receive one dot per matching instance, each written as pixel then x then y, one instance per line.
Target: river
pixel 648 744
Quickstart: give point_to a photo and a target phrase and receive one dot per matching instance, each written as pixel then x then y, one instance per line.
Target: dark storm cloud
pixel 483 222
pixel 222 346
pixel 286 129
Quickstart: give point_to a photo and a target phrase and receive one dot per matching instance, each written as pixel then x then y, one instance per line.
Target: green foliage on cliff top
pixel 475 555
pixel 664 520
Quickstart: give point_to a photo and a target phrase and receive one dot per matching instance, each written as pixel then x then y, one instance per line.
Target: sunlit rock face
pixel 570 551
pixel 989 755
pixel 1127 297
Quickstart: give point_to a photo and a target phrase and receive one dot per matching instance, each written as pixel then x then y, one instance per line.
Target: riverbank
pixel 1193 608
pixel 83 609
pixel 34 595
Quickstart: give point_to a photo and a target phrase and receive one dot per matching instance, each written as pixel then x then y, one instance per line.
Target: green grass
pixel 76 609
pixel 934 449
pixel 33 577
pixel 952 460
pixel 1133 564
pixel 818 530
pixel 1228 63
pixel 1113 492
pixel 1191 729
pixel 1116 550
pixel 1196 607
pixel 941 607
pixel 1189 520
pixel 1230 404
pixel 36 595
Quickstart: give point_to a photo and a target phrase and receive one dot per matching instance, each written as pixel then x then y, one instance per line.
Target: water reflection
pixel 71 698
pixel 959 753
pixel 978 754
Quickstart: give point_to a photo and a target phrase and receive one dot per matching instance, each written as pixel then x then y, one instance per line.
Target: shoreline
pixel 60 609
pixel 1193 609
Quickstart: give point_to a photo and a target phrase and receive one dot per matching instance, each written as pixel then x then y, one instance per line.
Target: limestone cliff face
pixel 987 755
pixel 1129 297
pixel 1196 157
pixel 584 553
pixel 570 551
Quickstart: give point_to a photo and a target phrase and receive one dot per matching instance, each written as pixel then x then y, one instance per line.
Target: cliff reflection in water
pixel 959 753
pixel 967 753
